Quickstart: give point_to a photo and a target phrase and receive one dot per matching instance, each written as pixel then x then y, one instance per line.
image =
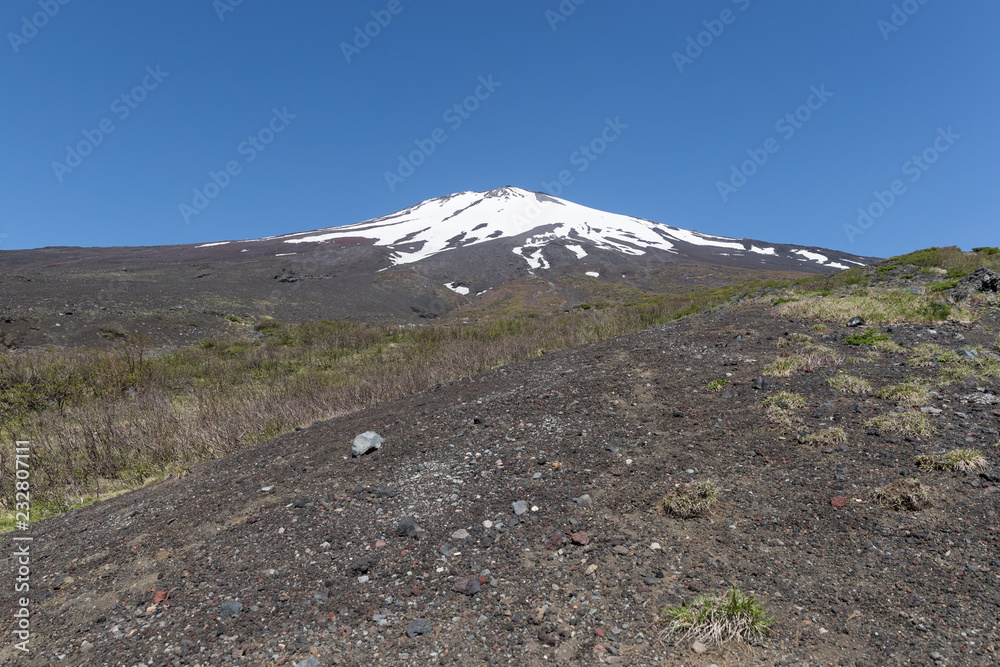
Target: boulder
pixel 366 442
pixel 982 280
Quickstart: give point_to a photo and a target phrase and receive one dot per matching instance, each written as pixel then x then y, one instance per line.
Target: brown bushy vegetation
pixel 101 421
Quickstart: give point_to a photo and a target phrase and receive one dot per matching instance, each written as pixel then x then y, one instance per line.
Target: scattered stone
pixel 554 541
pixel 417 627
pixel 460 534
pixel 467 587
pixel 231 608
pixel 839 502
pixel 856 322
pixel 366 442
pixel 584 501
pixel 547 639
pixel 407 528
pixel 655 546
pixel 763 384
pixel 385 492
pixel 86 646
pixel 487 524
pixel 581 538
pixel 311 661
pixel 699 648
pixel 970 355
pixel 590 569
pixel 520 507
pixel 363 564
pixel 928 410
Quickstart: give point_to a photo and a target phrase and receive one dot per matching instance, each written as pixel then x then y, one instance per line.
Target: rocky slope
pixel 539 534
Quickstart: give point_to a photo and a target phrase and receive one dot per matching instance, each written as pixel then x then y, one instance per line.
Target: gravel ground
pixel 537 533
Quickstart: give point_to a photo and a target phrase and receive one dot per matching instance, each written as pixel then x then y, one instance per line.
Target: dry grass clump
pixel 850 384
pixel 691 499
pixel 785 365
pixel 830 436
pixel 903 494
pixel 811 358
pixel 780 407
pixel 910 393
pixel 793 339
pixel 957 460
pixel 910 424
pixel 717 619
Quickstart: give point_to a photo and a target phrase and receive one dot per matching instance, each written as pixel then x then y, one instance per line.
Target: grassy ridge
pixel 103 421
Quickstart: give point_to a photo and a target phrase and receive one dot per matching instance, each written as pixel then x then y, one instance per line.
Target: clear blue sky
pixel 219 76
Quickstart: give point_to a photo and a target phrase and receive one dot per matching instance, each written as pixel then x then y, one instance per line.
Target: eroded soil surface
pixel 306 539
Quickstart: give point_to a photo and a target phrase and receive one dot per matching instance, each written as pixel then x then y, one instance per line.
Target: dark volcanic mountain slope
pixel 425 261
pixel 293 548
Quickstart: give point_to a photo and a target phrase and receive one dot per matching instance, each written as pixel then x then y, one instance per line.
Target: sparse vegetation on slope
pixel 105 420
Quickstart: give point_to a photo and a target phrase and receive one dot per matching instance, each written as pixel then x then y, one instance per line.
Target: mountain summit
pixel 533 225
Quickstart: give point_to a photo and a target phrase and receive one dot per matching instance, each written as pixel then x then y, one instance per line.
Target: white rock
pixel 366 442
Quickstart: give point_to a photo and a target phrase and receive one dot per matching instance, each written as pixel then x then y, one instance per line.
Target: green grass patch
pixel 910 424
pixel 717 385
pixel 887 307
pixel 942 286
pixel 869 337
pixel 717 619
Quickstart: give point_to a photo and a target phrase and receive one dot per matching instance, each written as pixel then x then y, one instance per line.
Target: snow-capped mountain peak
pixel 535 222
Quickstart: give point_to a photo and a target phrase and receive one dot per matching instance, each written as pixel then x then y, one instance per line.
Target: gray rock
pixel 366 442
pixel 460 534
pixel 982 280
pixel 971 355
pixel 308 662
pixel 856 322
pixel 407 527
pixel 584 501
pixel 231 608
pixel 417 627
pixel 520 507
pixel 762 384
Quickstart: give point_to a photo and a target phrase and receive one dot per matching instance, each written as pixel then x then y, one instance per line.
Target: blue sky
pixel 644 108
